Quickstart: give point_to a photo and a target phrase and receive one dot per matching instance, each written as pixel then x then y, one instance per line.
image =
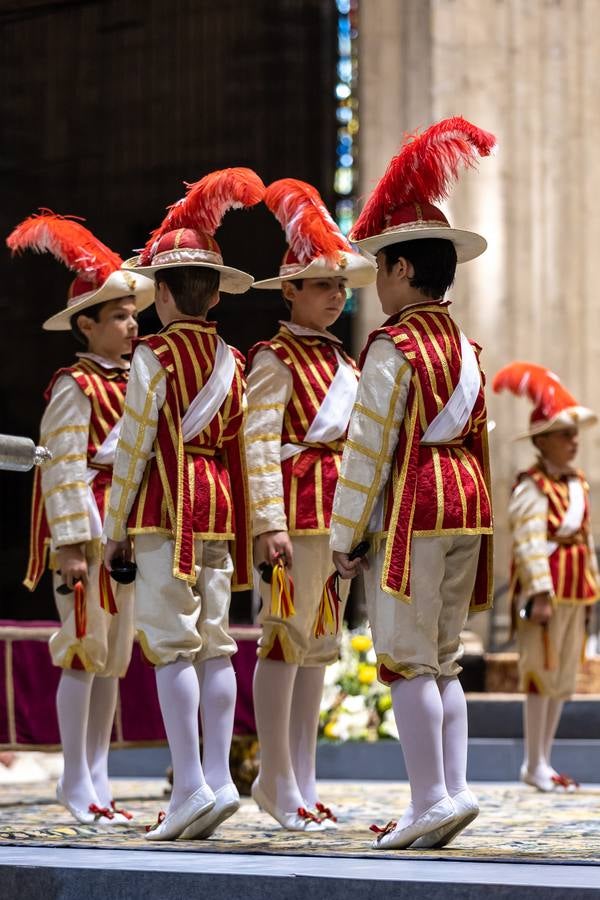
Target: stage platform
pixel 524 844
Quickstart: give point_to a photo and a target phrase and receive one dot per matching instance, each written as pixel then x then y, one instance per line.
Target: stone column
pixel 529 71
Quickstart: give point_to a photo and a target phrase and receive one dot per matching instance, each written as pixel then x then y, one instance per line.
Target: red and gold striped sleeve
pixel 269 390
pixel 145 396
pixel 372 438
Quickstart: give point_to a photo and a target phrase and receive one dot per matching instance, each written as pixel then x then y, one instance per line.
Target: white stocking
pixel 103 702
pixel 455 734
pixel 273 689
pixel 218 690
pixel 179 698
pixel 553 714
pixel 534 726
pixel 72 707
pixel 304 727
pixel 419 717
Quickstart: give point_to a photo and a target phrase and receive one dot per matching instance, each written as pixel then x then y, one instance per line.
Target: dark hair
pixel 92 312
pixel 434 262
pixel 298 284
pixel 192 287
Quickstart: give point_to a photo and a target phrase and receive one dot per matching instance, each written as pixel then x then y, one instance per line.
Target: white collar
pixel 301 331
pixel 102 361
pixel 555 472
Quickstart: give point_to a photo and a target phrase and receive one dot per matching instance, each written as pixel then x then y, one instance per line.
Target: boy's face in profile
pixel 559 447
pixel 318 304
pixel 112 335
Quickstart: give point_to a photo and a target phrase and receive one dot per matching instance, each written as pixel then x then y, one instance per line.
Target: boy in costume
pixel 180 493
pixel 555 573
pixel 415 477
pixel 301 388
pixel 79 427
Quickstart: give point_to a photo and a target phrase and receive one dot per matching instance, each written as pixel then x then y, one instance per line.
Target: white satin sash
pixel 451 420
pixel 573 517
pixel 331 420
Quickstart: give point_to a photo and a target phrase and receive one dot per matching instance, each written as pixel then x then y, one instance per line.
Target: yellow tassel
pixel 282 592
pixel 328 614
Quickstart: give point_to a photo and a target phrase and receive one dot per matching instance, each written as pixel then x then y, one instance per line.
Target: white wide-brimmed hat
pixel 99 277
pixel 317 248
pixel 186 235
pixel 555 407
pixel 401 208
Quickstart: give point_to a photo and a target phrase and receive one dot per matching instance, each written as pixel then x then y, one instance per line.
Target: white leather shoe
pixel 539 780
pixel 301 820
pixel 171 826
pixel 327 818
pixel 227 802
pixel 394 838
pixel 93 815
pixel 467 809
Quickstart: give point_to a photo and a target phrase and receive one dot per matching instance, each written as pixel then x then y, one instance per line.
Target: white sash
pixel 451 420
pixel 573 517
pixel 331 420
pixel 211 396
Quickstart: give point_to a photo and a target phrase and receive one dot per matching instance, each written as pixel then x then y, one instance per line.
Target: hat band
pixel 186 254
pixel 291 269
pixel 75 301
pixel 416 226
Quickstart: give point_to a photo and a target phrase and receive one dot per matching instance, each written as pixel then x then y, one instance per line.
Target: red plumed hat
pixel 401 208
pixel 98 269
pixel 186 235
pixel 554 406
pixel 316 246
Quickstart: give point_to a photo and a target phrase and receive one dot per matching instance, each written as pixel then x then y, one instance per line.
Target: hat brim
pixel 118 284
pixel 575 417
pixel 358 272
pixel 468 244
pixel 232 281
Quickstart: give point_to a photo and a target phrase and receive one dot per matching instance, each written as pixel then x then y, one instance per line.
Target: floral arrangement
pixel 355 706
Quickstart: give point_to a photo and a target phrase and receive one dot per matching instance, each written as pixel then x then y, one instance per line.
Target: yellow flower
pixel 361 643
pixel 330 730
pixel 367 673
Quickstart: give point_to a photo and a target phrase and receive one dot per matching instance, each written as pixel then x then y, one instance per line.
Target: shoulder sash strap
pixel 331 421
pixel 451 420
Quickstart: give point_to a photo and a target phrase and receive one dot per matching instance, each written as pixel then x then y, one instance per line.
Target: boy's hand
pixel 116 550
pixel 274 545
pixel 349 568
pixel 542 609
pixel 72 564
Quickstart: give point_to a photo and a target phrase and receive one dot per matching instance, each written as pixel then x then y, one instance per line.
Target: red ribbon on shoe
pixel 100 811
pixel 307 814
pixel 325 813
pixel 381 831
pixel 159 820
pixel 120 811
pixel 564 781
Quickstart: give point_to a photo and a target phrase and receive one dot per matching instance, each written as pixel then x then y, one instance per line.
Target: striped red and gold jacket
pixel 198 489
pixel 105 389
pixel 309 478
pixel 438 489
pixel 569 563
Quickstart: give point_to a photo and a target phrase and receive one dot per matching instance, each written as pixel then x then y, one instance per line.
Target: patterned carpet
pixel 516 824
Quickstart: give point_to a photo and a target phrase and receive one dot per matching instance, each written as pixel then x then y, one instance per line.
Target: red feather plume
pixel 423 170
pixel 68 241
pixel 309 229
pixel 541 385
pixel 206 202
